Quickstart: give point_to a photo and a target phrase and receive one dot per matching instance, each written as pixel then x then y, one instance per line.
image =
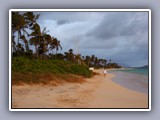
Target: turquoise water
pixel 142 71
pixel 132 78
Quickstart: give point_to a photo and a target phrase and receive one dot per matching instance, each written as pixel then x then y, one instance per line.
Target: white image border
pixel 81 10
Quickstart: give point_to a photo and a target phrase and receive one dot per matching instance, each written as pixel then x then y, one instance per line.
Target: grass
pixel 34 71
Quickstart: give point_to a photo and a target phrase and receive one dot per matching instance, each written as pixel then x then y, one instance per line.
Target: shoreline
pixel 133 81
pixel 96 92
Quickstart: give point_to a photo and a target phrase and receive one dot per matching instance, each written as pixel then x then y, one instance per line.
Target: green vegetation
pixel 42 62
pixel 23 68
pixel 113 65
pixel 24 65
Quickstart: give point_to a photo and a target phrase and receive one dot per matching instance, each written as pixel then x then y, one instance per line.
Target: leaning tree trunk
pixel 52 54
pixel 36 48
pixel 56 54
pixel 18 43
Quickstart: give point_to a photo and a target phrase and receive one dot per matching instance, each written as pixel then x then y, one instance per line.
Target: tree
pixel 30 18
pixel 36 37
pixel 20 48
pixel 105 62
pixel 71 55
pixel 66 55
pixel 78 58
pixel 87 60
pixel 96 63
pixel 18 25
pixel 52 46
pixel 92 60
pixel 13 44
pixel 60 56
pixel 25 42
pixel 70 51
pixel 43 47
pixel 40 39
pixel 57 45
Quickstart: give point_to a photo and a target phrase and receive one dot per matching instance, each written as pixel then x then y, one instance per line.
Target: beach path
pixel 97 92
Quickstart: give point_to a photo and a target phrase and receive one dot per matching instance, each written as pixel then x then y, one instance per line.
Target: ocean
pixel 132 78
pixel 141 71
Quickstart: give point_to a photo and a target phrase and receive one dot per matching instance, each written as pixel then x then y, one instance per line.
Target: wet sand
pixel 97 92
pixel 133 81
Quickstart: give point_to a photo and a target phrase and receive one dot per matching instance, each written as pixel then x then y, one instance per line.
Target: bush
pixel 25 65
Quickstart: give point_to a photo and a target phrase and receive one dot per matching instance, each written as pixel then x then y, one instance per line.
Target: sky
pixel 119 36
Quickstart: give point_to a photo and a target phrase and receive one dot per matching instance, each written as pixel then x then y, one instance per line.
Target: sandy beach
pixel 97 92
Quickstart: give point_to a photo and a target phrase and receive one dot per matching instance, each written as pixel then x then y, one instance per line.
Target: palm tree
pixel 39 39
pixel 92 59
pixel 87 60
pixel 70 51
pixel 66 55
pixel 18 24
pixel 20 48
pixel 78 58
pixel 46 41
pixel 36 37
pixel 30 18
pixel 71 55
pixel 60 56
pixel 25 42
pixel 13 44
pixel 52 46
pixel 57 45
pixel 96 62
pixel 105 62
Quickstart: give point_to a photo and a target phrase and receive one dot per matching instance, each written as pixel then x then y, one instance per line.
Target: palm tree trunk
pixel 27 47
pixel 56 54
pixel 18 38
pixel 52 54
pixel 36 48
pixel 26 42
pixel 18 42
pixel 88 61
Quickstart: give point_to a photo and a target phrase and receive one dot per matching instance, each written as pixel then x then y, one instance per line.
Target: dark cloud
pixel 70 16
pixel 61 22
pixel 121 36
pixel 116 24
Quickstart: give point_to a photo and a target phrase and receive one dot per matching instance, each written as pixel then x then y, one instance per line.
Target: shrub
pixel 25 65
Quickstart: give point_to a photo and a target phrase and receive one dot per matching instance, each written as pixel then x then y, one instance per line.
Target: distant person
pixel 104 72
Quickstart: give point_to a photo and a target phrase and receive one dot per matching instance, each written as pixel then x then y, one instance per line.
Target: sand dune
pixel 96 92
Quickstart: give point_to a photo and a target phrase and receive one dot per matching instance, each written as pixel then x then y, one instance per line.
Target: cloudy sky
pixel 120 36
